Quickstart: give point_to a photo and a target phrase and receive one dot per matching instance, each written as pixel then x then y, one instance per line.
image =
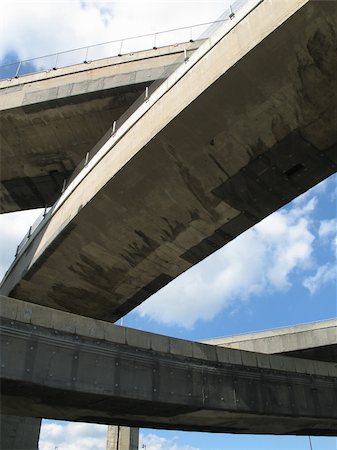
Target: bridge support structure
pixel 19 433
pixel 59 365
pixel 122 438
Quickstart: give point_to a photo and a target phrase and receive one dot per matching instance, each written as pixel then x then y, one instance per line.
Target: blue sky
pixel 282 272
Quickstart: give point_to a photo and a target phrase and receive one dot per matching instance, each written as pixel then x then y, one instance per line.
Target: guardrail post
pixel 191 34
pixel 18 70
pixel 86 56
pixel 56 60
pixel 64 186
pixel 29 232
pixel 231 13
pixel 16 251
pixel 146 93
pixel 86 159
pixel 120 48
pixel 113 128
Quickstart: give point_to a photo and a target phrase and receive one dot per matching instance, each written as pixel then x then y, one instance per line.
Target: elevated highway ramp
pixel 245 125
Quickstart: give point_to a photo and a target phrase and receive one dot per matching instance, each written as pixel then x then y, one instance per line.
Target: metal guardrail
pixel 47 213
pixel 96 52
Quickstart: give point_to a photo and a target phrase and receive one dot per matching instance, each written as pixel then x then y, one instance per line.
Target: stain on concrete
pixel 88 269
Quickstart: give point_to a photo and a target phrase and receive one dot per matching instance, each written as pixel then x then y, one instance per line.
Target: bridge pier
pixel 122 438
pixel 19 433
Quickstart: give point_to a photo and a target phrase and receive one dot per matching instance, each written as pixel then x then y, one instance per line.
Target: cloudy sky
pixel 281 272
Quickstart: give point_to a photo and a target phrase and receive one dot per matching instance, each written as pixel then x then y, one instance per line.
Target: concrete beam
pixel 316 341
pixel 19 433
pixel 239 130
pixel 122 438
pixel 62 366
pixel 50 120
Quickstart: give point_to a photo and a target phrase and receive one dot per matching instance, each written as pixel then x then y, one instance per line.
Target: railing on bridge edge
pixel 96 52
pixel 47 213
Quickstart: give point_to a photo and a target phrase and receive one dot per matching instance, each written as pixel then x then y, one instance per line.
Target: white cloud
pixel 262 259
pixel 85 436
pixel 13 227
pixel 319 189
pixel 72 436
pixel 37 28
pixel 324 274
pixel 155 442
pixel 327 228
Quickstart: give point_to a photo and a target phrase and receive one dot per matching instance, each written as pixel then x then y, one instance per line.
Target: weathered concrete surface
pixel 247 128
pixel 63 366
pixel 19 433
pixel 317 341
pixel 50 120
pixel 122 438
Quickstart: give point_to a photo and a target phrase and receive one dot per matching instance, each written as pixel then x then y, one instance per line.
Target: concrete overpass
pixel 50 120
pixel 178 182
pixel 62 366
pixel 317 341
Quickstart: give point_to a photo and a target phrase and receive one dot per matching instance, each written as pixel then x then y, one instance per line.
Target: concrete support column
pixel 122 438
pixel 19 433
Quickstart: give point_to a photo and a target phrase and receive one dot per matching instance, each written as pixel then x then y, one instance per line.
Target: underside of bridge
pixel 250 126
pixel 247 128
pixel 63 366
pixel 316 341
pixel 50 120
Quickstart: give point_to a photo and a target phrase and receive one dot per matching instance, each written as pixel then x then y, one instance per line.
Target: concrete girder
pixel 243 128
pixel 62 366
pixel 50 120
pixel 317 341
